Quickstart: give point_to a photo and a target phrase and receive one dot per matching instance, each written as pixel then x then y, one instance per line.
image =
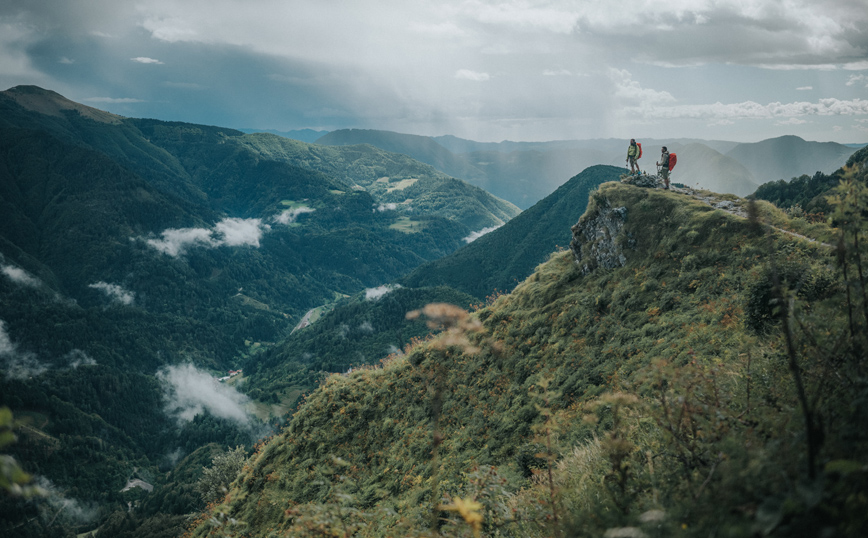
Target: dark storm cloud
pixel 476 68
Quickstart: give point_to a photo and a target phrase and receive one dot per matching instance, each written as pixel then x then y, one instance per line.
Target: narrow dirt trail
pixel 737 208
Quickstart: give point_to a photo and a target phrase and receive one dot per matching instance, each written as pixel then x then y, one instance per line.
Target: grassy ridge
pixel 661 389
pixel 358 332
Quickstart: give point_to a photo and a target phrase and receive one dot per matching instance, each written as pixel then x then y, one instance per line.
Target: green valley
pixel 205 332
pixel 680 371
pixel 141 260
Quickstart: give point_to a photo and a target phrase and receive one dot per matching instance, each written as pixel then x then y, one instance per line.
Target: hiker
pixel 633 154
pixel 664 166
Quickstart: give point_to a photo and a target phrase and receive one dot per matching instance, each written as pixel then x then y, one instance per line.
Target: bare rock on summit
pixel 641 180
pixel 598 239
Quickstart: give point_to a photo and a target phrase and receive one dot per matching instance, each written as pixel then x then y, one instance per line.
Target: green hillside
pixel 411 187
pixel 192 160
pixel 500 259
pixel 141 259
pixel 360 331
pixel 808 193
pixel 422 148
pixel 710 383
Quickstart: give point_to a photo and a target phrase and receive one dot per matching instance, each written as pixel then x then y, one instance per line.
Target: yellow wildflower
pixel 469 511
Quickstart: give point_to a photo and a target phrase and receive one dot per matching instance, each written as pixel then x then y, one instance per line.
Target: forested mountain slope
pixel 141 259
pixel 652 366
pixel 500 259
pixel 422 148
pixel 366 328
pixel 809 193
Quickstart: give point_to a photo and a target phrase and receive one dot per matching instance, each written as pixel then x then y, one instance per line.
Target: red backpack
pixel 640 151
pixel 672 160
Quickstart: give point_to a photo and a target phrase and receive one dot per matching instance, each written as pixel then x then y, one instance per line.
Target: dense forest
pixel 140 260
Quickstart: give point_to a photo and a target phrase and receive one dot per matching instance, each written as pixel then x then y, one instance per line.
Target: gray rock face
pixel 598 240
pixel 648 181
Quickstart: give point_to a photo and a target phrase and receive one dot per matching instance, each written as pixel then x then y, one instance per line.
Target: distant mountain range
pixel 526 172
pixel 302 135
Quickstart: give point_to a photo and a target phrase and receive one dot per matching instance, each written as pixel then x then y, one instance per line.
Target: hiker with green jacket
pixel 633 154
pixel 664 166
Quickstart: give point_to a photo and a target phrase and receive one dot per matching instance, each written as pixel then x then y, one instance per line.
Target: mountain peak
pixel 52 103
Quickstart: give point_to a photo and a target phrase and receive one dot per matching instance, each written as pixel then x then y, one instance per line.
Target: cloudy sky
pixel 486 70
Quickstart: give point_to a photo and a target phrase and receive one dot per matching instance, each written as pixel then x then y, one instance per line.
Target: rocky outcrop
pixel 649 181
pixel 598 240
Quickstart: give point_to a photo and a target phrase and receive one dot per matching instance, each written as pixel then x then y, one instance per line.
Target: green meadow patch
pixel 407 225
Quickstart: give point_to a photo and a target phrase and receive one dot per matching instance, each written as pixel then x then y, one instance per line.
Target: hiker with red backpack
pixel 667 162
pixel 634 153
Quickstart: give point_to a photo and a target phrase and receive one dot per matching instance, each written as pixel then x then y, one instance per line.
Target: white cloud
pixel 57 507
pixel 409 65
pixel 146 60
pixel 77 358
pixel 189 391
pixel 366 327
pixel 6 345
pixel 804 88
pixel 231 232
pixel 791 121
pixel 387 207
pixel 798 67
pixel 176 241
pixel 630 92
pixel 476 235
pixel 288 216
pixel 17 364
pixel 527 16
pixel 857 79
pixel 237 232
pixel 753 110
pixel 19 276
pixel 114 292
pixel 374 294
pixel 475 76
